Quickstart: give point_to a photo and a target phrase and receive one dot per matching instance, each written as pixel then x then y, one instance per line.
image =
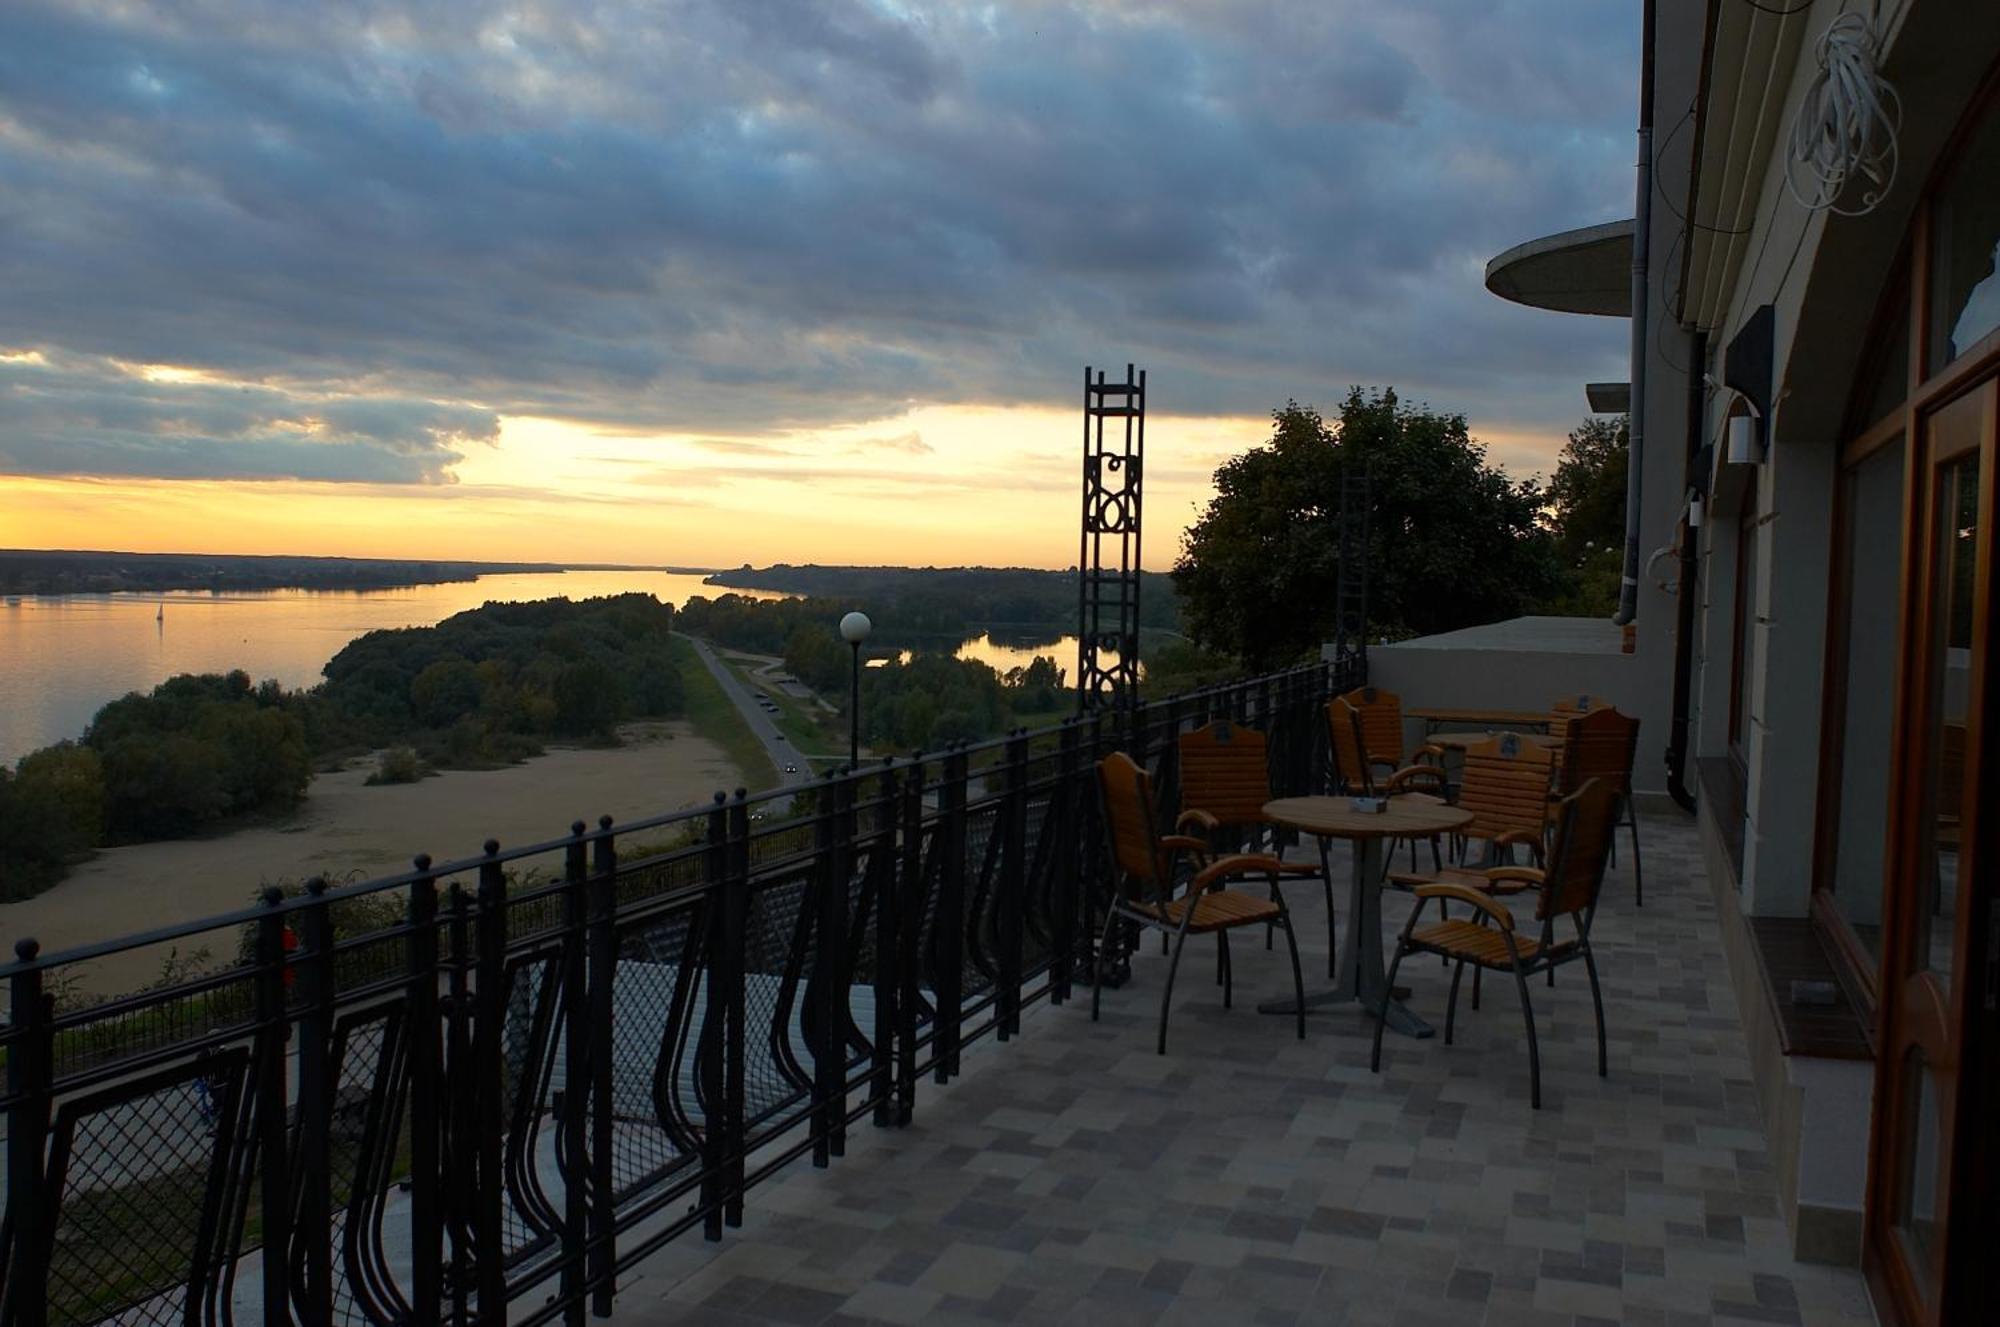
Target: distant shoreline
pixel 53 573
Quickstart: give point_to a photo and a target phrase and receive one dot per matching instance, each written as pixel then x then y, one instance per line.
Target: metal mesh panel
pixel 365 1156
pixel 138 1173
pixel 528 1218
pixel 777 964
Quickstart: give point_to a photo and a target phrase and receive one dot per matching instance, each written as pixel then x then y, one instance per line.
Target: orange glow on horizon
pixel 937 485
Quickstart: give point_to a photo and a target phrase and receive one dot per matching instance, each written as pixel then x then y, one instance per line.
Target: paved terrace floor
pixel 1073 1176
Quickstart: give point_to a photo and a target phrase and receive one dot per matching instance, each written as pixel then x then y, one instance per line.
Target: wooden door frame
pixel 1967 1163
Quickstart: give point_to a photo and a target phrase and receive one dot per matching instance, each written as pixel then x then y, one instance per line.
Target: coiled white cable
pixel 1846 129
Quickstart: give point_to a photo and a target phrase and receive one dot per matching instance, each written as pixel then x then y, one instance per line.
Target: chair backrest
pixel 1579 852
pixel 1598 744
pixel 1381 722
pixel 1566 708
pixel 1225 772
pixel 1505 784
pixel 1344 730
pixel 1128 821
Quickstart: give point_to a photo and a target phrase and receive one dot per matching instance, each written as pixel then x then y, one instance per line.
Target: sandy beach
pixel 345 828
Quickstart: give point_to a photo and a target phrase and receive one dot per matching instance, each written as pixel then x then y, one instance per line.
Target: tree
pixel 1587 495
pixel 1587 515
pixel 1453 541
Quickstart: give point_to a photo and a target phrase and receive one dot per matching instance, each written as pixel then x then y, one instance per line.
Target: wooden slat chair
pixel 1355 764
pixel 1146 865
pixel 1505 784
pixel 1569 888
pixel 1381 722
pixel 1225 782
pixel 1563 710
pixel 1601 743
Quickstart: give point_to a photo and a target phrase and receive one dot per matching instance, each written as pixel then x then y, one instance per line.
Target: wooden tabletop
pixel 1336 818
pixel 1460 741
pixel 1435 714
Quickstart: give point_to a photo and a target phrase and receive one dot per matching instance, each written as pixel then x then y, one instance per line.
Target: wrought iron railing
pixel 480 1089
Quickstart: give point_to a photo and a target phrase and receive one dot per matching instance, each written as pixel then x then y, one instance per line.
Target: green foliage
pixel 51 814
pixel 1452 540
pixel 939 601
pixel 1180 665
pixel 1586 497
pixel 195 750
pixel 932 700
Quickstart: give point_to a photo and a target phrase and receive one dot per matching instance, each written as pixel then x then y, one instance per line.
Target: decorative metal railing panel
pixel 478 1090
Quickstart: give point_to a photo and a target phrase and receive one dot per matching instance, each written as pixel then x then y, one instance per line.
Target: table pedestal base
pixel 1362 979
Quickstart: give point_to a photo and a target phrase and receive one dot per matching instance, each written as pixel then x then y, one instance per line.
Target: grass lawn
pixel 813 733
pixel 714 717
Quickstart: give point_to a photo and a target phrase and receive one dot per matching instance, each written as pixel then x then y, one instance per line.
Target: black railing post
pixel 31 1209
pixel 829 936
pixel 948 932
pixel 312 1233
pixel 1012 885
pixel 882 864
pixel 572 1117
pixel 714 1021
pixel 603 962
pixel 420 991
pixel 735 1090
pixel 489 1088
pixel 273 1109
pixel 461 1177
pixel 1071 854
pixel 908 884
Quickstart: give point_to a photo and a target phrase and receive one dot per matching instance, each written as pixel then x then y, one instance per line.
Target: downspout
pixel 1677 733
pixel 1642 235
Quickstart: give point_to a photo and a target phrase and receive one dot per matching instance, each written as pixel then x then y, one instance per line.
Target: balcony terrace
pixel 495 1089
pixel 1072 1175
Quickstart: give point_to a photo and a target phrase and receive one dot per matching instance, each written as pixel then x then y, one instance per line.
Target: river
pixel 62 657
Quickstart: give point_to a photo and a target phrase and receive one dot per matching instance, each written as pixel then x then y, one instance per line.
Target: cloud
pixel 74 415
pixel 912 443
pixel 768 216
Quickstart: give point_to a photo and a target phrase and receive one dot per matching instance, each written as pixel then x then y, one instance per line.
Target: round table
pixel 1459 741
pixel 1363 978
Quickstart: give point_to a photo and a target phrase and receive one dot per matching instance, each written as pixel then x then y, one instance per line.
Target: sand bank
pixel 345 828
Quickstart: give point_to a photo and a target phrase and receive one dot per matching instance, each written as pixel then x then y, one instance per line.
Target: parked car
pixel 791 769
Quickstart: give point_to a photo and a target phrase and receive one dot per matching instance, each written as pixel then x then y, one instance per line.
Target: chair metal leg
pixel 1298 977
pixel 1228 977
pixel 1375 1054
pixel 1597 1004
pixel 1097 963
pixel 1167 995
pixel 1475 986
pixel 1451 1001
pixel 1638 873
pixel 1437 862
pixel 1534 1051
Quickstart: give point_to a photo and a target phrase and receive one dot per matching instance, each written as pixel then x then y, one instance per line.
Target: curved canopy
pixel 1577 271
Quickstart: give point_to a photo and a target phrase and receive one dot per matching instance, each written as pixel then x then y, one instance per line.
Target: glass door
pixel 1929 963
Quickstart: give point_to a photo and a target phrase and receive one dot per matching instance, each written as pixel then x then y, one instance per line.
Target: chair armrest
pixel 1533 840
pixel 1460 894
pixel 1427 749
pixel 1235 864
pixel 1524 875
pixel 1183 843
pixel 1202 820
pixel 1415 773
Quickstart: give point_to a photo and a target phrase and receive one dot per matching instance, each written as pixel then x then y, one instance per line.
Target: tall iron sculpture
pixel 1107 564
pixel 1350 630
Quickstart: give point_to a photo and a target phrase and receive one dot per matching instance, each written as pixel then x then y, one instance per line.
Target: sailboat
pixel 161 616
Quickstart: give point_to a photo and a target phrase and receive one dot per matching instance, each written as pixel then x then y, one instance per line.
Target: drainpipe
pixel 1677 733
pixel 1642 232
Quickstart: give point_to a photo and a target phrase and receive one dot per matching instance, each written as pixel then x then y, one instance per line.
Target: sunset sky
pixel 757 280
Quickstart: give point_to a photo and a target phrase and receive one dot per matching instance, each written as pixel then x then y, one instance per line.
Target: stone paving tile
pixel 1073 1176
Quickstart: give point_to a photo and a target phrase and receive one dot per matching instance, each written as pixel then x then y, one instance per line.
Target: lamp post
pixel 854 629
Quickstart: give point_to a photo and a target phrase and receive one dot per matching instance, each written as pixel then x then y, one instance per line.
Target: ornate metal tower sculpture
pixel 1350 631
pixel 1107 564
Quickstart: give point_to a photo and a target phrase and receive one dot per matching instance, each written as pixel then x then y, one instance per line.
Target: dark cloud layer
pixel 727 215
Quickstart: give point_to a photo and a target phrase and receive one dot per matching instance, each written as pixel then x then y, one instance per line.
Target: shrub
pixel 399 764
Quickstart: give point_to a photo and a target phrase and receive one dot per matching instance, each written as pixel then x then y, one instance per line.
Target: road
pixel 776 745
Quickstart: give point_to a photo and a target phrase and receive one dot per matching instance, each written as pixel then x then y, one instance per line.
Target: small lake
pixel 1004 650
pixel 62 657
